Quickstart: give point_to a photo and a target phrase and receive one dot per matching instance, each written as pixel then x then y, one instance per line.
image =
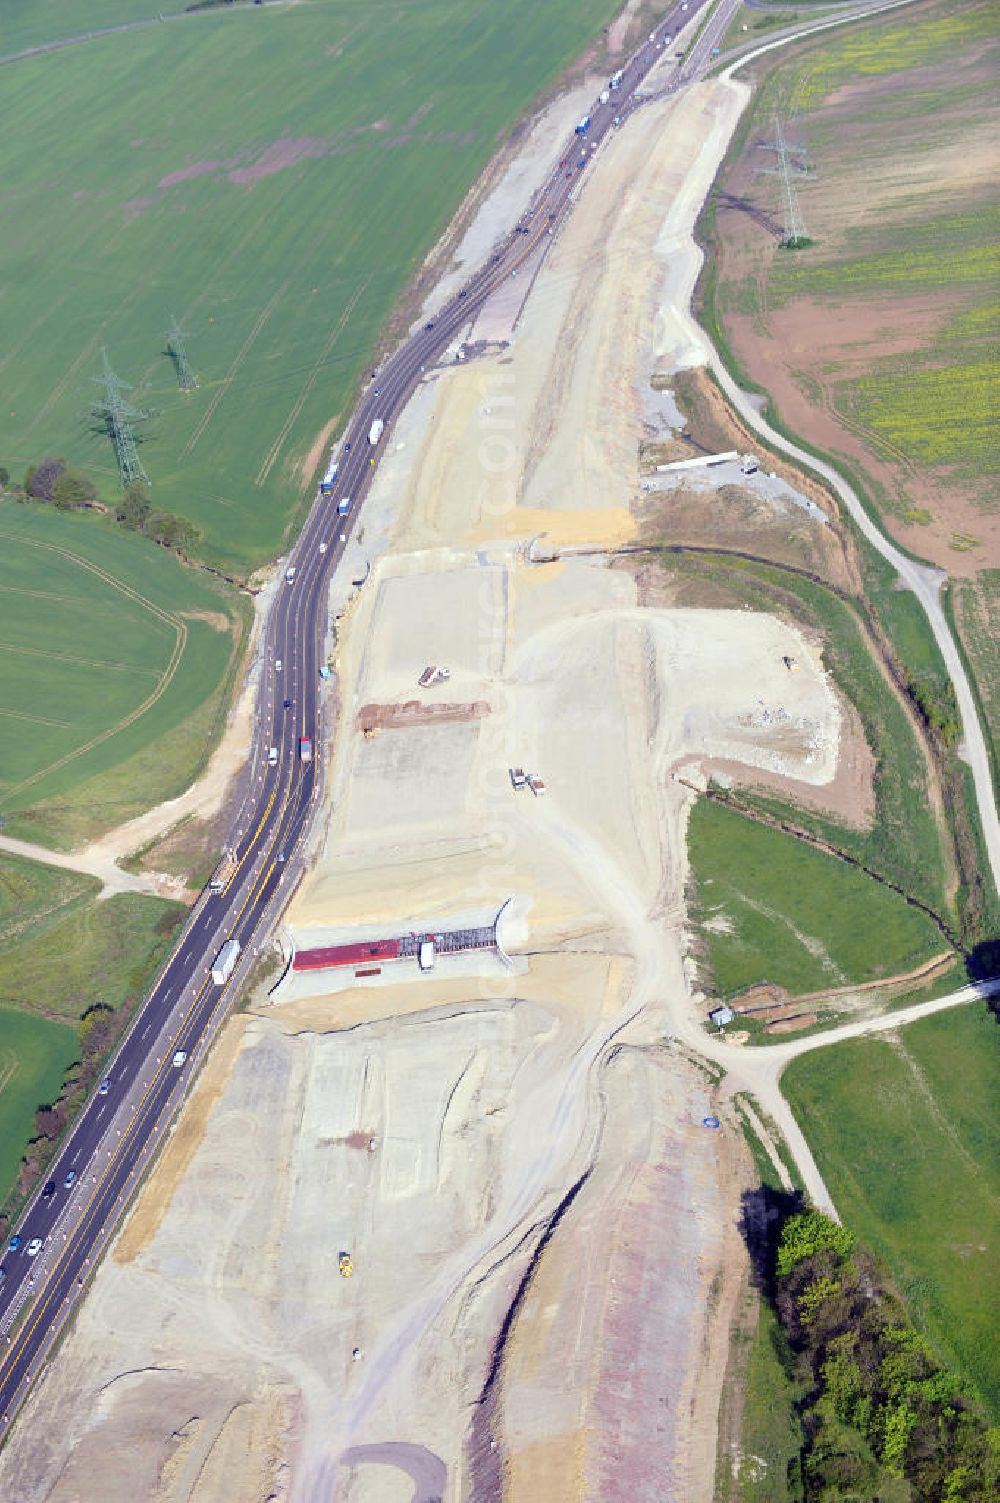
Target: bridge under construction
pixel 370 954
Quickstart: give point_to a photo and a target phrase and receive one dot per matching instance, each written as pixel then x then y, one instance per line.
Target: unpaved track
pixel 925 582
pixel 759 1071
pixel 108 31
pixel 95 863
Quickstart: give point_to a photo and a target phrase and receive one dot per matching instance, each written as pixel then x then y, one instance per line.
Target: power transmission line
pixel 791 165
pixel 118 415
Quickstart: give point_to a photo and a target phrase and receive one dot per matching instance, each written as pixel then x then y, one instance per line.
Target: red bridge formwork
pixel 336 955
pixel 405 947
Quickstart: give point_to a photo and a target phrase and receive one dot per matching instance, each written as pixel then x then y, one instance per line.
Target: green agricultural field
pixel 113 672
pixel 919 266
pixel 891 46
pixel 35 1054
pixel 61 952
pixel 32 23
pixel 99 952
pixel 769 908
pixel 33 895
pixel 272 176
pixel 906 1137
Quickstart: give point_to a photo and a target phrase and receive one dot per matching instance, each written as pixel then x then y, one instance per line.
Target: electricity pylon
pixel 791 165
pixel 118 415
pixel 186 378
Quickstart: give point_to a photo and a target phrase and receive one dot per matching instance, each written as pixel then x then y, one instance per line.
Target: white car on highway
pixel 179 1058
pixel 34 1247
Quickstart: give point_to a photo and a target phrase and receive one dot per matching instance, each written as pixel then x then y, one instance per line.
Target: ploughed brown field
pixel 873 341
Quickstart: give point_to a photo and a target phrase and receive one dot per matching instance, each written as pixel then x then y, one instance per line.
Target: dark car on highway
pixel 50 1189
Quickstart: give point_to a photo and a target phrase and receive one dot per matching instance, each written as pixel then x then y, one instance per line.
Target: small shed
pixel 721 1016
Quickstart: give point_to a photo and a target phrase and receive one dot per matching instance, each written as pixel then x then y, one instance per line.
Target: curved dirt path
pixel 759 1070
pixel 93 862
pixel 925 582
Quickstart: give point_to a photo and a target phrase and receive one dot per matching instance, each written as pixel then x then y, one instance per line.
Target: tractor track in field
pixel 59 44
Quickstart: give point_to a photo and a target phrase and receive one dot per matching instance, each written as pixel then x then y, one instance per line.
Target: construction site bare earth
pixel 462 1225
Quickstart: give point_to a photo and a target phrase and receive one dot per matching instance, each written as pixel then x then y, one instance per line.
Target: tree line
pixel 56 483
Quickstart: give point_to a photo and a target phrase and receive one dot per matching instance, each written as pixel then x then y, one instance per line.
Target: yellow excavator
pixel 345 1265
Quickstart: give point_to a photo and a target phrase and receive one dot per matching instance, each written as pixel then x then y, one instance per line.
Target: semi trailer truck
pixel 225 962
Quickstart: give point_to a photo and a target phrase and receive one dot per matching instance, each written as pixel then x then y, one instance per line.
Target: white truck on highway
pixel 376 430
pixel 225 962
pixel 326 484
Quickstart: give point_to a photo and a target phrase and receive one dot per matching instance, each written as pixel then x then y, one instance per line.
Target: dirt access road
pixel 760 1070
pixel 925 582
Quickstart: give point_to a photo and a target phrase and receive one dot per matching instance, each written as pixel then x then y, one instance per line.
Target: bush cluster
pixel 53 480
pixel 135 511
pixel 938 707
pixel 877 1400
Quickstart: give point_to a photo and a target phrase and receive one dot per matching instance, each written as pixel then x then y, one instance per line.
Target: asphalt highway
pixel 117 1134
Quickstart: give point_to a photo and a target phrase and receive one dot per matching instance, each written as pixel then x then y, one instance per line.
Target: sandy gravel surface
pixel 515 1158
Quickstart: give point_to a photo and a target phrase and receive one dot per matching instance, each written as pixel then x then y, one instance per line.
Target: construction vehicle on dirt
pixel 345 1264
